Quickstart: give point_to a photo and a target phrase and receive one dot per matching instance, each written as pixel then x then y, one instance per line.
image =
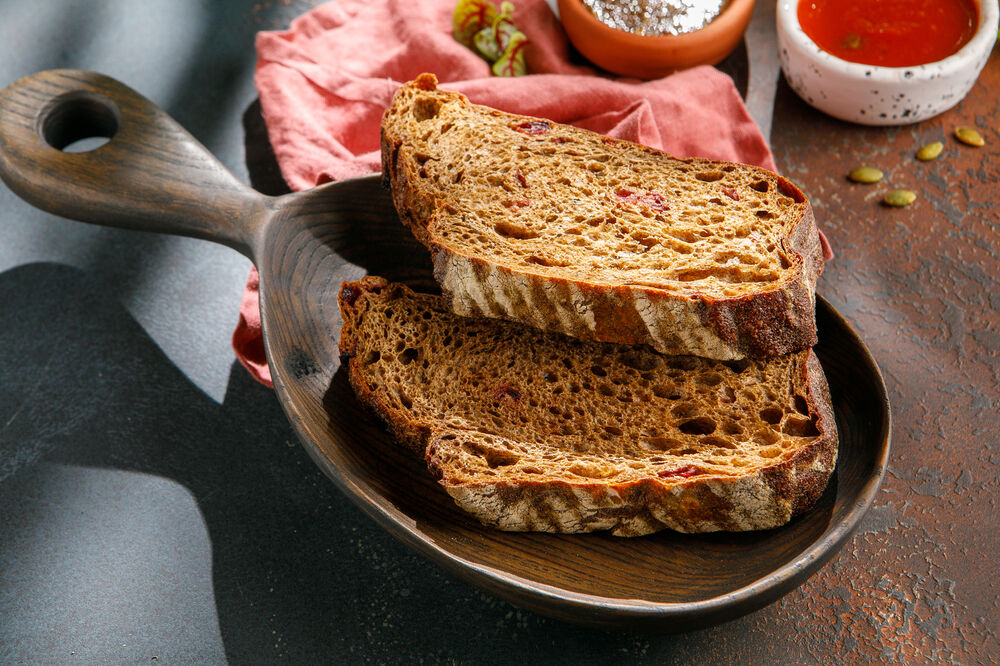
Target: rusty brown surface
pixel 922 286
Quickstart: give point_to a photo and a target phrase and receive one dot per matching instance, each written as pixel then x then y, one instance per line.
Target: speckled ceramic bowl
pixel 872 95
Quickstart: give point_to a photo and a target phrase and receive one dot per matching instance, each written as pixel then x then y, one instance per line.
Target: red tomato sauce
pixel 890 33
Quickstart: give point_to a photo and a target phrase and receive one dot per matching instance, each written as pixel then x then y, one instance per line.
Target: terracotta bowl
pixel 874 95
pixel 651 57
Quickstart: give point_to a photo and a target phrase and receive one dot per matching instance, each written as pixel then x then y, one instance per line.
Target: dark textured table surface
pixel 156 508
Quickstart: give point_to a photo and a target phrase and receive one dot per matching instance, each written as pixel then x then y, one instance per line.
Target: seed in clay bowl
pixel 866 175
pixel 930 151
pixel 969 136
pixel 899 198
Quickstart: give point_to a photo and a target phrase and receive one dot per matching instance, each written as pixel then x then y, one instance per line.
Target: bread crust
pixel 763 498
pixel 768 323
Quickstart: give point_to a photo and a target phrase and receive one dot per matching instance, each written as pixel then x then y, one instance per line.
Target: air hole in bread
pixel 732 428
pixel 667 392
pixel 543 261
pixel 641 360
pixel 404 399
pixel 711 379
pixel 701 425
pixel 760 185
pixel 767 437
pixel 683 362
pixel 613 430
pixel 599 371
pixel 408 355
pixel 684 410
pixel 425 108
pixel 771 415
pixel 496 459
pixel 764 214
pixel 372 356
pixel 800 404
pixel 709 176
pixel 799 427
pixel 692 274
pixel 661 443
pixel 718 442
pixel 510 230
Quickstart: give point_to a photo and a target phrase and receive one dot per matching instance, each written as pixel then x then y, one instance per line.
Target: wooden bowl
pixel 648 56
pixel 152 175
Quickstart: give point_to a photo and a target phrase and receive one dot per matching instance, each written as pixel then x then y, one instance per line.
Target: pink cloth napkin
pixel 325 82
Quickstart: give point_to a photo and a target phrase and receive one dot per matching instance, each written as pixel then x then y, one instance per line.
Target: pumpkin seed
pixel 969 136
pixel 899 198
pixel 866 175
pixel 930 151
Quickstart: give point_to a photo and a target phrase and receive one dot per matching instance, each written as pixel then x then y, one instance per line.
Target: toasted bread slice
pixel 570 231
pixel 537 431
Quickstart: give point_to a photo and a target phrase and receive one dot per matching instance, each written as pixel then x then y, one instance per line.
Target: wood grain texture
pixel 153 175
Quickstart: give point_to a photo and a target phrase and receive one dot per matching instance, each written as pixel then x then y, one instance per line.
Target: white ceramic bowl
pixel 873 95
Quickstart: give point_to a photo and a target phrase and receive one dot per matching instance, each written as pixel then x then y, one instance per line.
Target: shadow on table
pixel 292 558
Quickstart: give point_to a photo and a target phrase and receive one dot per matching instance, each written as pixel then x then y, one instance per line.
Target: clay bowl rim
pixel 726 24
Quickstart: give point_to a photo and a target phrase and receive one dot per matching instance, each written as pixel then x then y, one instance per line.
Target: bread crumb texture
pixel 564 203
pixel 536 431
pixel 573 232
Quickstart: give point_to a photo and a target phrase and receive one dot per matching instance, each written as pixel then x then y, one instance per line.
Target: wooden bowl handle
pixel 150 175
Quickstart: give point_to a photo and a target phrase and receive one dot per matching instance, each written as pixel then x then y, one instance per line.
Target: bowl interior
pixel 981 43
pixel 664 582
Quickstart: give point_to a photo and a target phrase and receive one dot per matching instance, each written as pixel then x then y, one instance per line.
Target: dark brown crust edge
pixel 745 325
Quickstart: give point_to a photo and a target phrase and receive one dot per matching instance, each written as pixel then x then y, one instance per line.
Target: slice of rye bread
pixel 570 231
pixel 529 430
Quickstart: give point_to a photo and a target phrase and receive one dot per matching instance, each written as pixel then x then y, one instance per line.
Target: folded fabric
pixel 325 82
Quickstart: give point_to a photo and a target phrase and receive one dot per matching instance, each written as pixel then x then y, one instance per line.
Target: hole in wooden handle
pixel 79 121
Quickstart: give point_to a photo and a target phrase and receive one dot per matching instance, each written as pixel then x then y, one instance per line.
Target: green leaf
pixel 470 17
pixel 512 63
pixel 493 41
